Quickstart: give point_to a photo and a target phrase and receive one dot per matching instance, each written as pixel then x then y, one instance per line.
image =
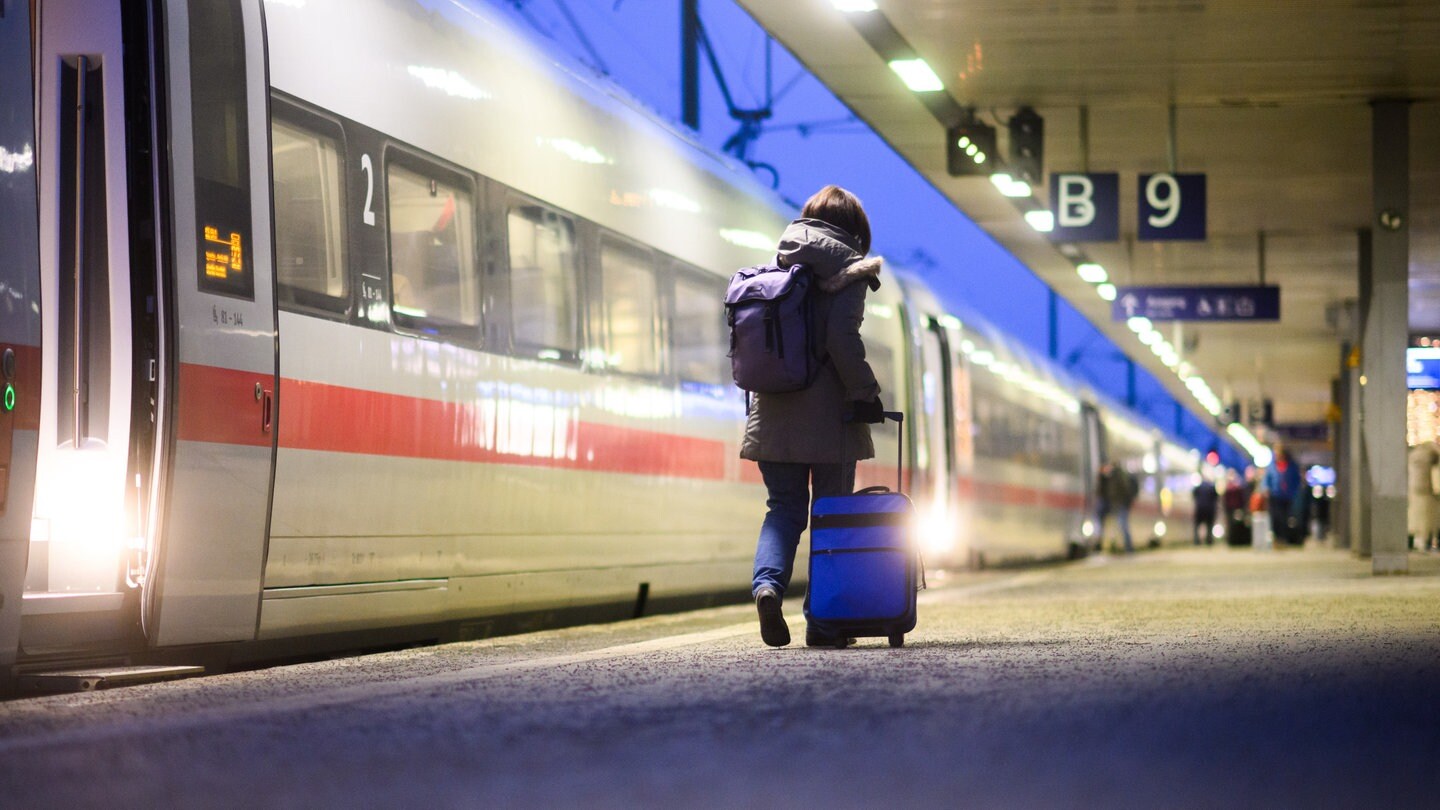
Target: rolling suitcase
pixel 864 566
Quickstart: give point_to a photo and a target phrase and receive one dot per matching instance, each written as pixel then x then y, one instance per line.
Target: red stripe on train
pixel 330 418
pixel 219 405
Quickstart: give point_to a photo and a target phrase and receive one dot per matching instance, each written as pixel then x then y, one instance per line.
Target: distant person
pixel 1285 489
pixel 1236 501
pixel 807 441
pixel 1206 500
pixel 1423 513
pixel 1117 489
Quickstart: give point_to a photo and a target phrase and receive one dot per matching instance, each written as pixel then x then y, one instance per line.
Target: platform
pixel 1188 678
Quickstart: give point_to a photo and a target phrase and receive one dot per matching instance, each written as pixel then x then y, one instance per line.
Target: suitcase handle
pixel 899 418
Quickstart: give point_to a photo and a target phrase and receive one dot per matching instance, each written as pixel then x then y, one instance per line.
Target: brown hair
pixel 842 209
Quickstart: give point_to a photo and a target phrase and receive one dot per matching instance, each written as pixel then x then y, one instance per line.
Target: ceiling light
pixel 1139 325
pixel 1092 272
pixel 917 75
pixel 1042 221
pixel 1150 338
pixel 1107 291
pixel 1009 186
pixel 853 6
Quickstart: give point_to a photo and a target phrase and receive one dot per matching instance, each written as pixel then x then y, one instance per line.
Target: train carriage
pixel 365 319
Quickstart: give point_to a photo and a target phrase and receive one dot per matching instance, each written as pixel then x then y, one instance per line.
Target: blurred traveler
pixel 1206 499
pixel 1236 502
pixel 810 439
pixel 1117 489
pixel 1285 489
pixel 1423 514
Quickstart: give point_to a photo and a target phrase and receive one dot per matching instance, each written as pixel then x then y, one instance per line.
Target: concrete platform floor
pixel 1192 678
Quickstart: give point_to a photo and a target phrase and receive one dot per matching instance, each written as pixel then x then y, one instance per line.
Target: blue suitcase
pixel 864 567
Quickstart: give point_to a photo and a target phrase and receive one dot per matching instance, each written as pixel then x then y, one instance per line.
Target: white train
pixel 349 322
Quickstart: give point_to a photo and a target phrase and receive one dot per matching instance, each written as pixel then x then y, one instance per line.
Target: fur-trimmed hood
pixel 831 254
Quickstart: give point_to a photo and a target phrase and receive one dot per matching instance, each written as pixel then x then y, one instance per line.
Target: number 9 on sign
pixel 1172 207
pixel 1162 192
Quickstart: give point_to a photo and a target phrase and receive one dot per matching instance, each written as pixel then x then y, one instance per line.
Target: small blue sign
pixel 1172 207
pixel 1197 303
pixel 1086 206
pixel 1422 369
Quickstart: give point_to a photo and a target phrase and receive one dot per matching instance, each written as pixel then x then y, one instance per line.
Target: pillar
pixel 1387 327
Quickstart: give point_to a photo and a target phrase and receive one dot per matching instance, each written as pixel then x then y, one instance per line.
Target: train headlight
pixel 936 530
pixel 1159 528
pixel 1219 531
pixel 1088 529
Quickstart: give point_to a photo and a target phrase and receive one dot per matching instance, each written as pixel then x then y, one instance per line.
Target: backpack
pixel 772 343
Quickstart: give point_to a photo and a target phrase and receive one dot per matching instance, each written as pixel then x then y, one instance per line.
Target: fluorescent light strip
pixel 917 75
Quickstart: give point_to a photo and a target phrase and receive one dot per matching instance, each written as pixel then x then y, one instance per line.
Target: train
pixel 332 324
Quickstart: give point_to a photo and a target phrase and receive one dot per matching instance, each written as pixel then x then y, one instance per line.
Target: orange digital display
pixel 223 256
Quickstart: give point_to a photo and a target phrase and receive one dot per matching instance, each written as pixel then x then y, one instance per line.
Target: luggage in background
pixel 864 567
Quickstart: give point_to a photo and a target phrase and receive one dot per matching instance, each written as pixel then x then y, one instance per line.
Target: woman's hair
pixel 842 209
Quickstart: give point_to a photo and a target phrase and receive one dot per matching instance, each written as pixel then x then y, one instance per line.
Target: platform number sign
pixel 1086 206
pixel 1171 207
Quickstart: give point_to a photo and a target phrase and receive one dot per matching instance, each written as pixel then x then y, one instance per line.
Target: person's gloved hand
pixel 872 412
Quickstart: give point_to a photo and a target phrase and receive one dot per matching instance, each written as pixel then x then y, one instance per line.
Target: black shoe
pixel 773 630
pixel 815 638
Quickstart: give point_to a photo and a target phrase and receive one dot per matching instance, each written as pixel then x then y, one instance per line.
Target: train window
pixel 632 308
pixel 309 217
pixel 699 331
pixel 434 281
pixel 544 283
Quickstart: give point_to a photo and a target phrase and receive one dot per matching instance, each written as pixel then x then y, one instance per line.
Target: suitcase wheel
pixel 897 639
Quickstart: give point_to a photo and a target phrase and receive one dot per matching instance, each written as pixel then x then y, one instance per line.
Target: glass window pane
pixel 309 240
pixel 632 300
pixel 543 290
pixel 700 335
pixel 432 254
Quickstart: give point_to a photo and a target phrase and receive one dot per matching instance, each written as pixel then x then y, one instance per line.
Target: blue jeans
pixel 1122 517
pixel 789 502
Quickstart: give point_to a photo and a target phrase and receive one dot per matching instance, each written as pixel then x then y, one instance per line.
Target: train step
pixel 89 680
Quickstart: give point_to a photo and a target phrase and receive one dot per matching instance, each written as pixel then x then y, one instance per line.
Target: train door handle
pixel 267 411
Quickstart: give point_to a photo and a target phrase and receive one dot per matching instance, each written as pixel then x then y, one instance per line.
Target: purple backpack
pixel 772 346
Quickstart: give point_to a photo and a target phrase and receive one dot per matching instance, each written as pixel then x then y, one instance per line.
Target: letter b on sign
pixel 1086 207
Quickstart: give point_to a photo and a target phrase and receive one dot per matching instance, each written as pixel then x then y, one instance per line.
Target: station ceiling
pixel 1272 103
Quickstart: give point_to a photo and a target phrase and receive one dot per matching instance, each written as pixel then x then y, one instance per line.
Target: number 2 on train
pixel 369 168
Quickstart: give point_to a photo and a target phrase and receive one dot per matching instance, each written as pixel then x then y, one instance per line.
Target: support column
pixel 1387 327
pixel 1054 325
pixel 1359 512
pixel 1346 454
pixel 690 63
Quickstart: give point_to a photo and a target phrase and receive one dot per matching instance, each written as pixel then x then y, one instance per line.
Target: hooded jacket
pixel 808 426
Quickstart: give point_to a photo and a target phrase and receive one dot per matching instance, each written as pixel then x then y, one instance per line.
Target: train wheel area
pixel 1188 677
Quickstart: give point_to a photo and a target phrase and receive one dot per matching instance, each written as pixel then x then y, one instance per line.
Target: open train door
pixel 211 554
pixel 19 317
pixel 152 452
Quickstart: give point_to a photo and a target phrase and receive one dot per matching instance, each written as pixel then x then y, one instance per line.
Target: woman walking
pixel 807 441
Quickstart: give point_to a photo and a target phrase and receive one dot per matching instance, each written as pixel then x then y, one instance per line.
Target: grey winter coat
pixel 809 426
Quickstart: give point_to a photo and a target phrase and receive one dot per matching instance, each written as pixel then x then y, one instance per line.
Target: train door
pixel 154 448
pixel 210 559
pixel 94 445
pixel 19 317
pixel 939 424
pixel 1092 455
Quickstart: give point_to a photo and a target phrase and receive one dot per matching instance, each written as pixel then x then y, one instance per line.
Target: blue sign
pixel 1172 207
pixel 1197 303
pixel 1422 369
pixel 1086 207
